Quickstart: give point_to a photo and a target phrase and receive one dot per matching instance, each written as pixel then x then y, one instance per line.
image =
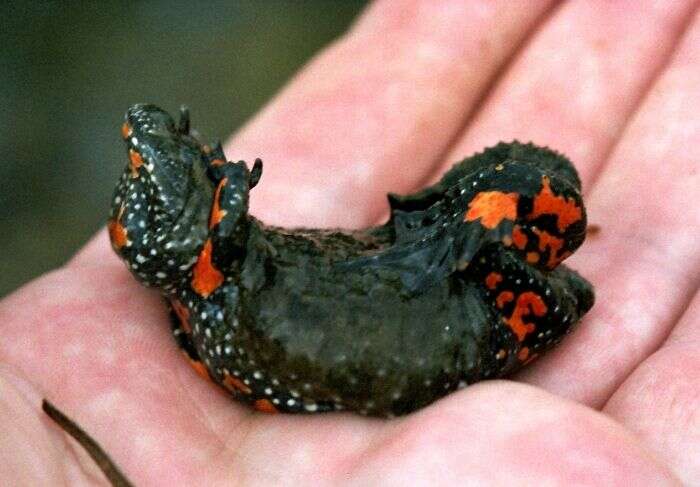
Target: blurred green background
pixel 69 70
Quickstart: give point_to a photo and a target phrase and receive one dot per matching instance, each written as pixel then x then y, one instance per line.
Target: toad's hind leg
pixel 536 308
pixel 545 159
pixel 533 210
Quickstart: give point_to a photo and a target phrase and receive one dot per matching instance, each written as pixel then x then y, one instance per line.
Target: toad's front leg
pixel 229 222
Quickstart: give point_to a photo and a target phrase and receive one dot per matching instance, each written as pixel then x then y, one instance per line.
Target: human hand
pixel 413 88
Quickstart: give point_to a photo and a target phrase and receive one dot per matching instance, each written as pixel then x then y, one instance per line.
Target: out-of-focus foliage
pixel 69 70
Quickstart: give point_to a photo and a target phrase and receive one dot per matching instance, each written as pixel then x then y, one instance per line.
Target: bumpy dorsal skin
pixel 463 283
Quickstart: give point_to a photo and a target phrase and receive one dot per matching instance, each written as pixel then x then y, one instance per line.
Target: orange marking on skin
pixel 217 214
pixel 265 406
pixel 503 298
pixel 519 237
pixel 546 240
pixel 523 354
pixel 501 354
pixel 217 162
pixel 183 314
pixel 206 149
pixel 547 203
pixel 507 240
pixel 527 303
pixel 492 207
pixel 532 257
pixel 200 368
pixel 117 231
pixel 235 384
pixel 493 279
pixel 126 130
pixel 205 277
pixel 135 162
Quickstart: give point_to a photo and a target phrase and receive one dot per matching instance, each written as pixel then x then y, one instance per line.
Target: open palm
pixel 412 88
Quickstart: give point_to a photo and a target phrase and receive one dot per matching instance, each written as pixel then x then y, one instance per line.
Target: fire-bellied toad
pixel 463 283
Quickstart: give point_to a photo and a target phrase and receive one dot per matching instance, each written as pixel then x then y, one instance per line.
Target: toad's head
pixel 161 204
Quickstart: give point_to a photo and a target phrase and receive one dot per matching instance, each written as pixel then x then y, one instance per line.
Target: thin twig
pixel 111 471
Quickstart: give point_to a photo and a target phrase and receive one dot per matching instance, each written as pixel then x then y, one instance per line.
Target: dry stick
pixel 111 471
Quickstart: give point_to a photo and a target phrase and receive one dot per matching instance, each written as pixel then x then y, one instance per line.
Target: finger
pixel 579 80
pixel 644 262
pixel 372 112
pixel 500 433
pixel 660 401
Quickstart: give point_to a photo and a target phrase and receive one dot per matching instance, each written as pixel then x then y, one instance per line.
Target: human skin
pixel 413 87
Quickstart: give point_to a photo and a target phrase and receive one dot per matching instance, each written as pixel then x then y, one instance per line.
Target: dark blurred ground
pixel 68 71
